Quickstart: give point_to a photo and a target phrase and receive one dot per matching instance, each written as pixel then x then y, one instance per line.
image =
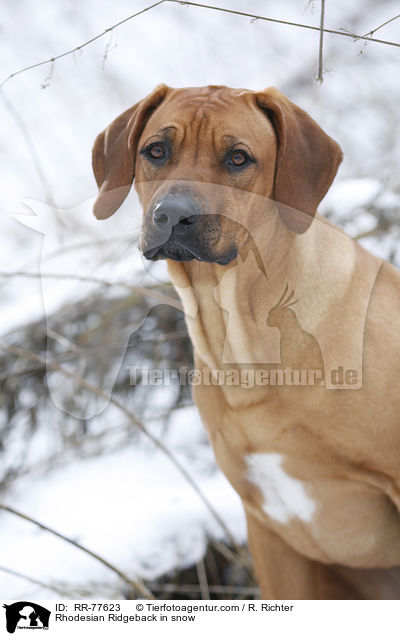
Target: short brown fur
pixel 343 446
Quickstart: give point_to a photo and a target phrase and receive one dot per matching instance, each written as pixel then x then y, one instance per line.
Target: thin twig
pixel 226 552
pixel 136 584
pixel 86 449
pixel 31 147
pixel 25 577
pixel 366 35
pixel 94 389
pixel 204 6
pixel 372 232
pixel 202 578
pixel 63 341
pixel 320 77
pixel 296 24
pixel 75 351
pixel 144 291
pixel 190 588
pixel 81 46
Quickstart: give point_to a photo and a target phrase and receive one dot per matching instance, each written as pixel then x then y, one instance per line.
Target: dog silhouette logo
pixel 26 615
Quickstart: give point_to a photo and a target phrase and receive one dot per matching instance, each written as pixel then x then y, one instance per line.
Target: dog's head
pixel 201 157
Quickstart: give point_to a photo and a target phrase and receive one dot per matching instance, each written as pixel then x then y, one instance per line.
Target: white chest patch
pixel 284 496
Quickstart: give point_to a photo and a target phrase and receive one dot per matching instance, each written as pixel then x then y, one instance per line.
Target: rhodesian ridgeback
pixel 297 326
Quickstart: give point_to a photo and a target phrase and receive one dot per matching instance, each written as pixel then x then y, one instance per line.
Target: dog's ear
pixel 114 153
pixel 307 160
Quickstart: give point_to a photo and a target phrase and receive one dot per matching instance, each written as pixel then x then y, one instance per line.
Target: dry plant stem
pixel 296 24
pixel 189 588
pixel 373 232
pixel 31 147
pixel 29 579
pixel 162 298
pixel 380 26
pixel 93 389
pixel 81 46
pixel 68 355
pixel 136 584
pixel 354 36
pixel 202 578
pixel 320 77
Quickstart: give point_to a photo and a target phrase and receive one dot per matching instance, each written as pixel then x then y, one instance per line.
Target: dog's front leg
pixel 283 573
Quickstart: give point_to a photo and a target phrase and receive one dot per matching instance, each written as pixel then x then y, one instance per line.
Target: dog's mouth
pixel 176 252
pixel 169 250
pixel 192 238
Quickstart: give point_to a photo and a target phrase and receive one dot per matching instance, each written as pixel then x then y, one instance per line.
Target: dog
pixel 230 181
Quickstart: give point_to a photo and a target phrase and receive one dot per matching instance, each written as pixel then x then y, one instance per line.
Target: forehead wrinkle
pixel 164 132
pixel 214 140
pixel 199 127
pixel 206 95
pixel 208 102
pixel 168 127
pixel 230 139
pixel 173 132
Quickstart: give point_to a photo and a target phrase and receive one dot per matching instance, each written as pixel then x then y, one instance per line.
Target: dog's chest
pixel 299 487
pixel 284 496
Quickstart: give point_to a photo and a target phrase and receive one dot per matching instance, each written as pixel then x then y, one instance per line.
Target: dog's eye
pixel 239 159
pixel 156 151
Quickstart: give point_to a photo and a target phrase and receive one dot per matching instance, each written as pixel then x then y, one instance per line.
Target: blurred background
pixel 121 468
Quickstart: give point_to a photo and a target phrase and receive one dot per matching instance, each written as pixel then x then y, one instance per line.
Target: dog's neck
pixel 239 316
pixel 227 307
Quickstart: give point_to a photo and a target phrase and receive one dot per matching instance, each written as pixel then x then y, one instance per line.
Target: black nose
pixel 175 210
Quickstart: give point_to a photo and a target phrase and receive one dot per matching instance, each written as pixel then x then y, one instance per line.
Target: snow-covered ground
pixel 131 505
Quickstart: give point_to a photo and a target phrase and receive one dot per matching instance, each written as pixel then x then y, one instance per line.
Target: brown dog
pixel 299 324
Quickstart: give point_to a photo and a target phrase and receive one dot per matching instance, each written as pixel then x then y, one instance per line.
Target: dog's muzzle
pixel 175 211
pixel 172 228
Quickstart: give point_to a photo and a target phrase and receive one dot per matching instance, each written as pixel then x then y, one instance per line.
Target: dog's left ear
pixel 114 153
pixel 307 160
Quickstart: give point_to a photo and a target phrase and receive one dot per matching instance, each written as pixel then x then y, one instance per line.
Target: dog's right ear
pixel 114 153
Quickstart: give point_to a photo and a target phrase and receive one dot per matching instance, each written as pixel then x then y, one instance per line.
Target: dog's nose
pixel 174 210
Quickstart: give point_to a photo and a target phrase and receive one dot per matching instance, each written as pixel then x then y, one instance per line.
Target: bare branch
pixel 30 145
pixel 187 588
pixel 202 578
pixel 81 46
pixel 366 35
pixel 29 579
pixel 320 77
pixel 204 6
pixel 63 341
pixel 144 291
pixel 75 351
pixel 136 584
pixel 93 389
pixel 296 24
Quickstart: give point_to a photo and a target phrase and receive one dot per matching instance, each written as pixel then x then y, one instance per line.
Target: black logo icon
pixel 26 615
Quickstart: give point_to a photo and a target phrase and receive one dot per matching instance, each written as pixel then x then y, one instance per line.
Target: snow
pixel 350 194
pixel 130 503
pixel 160 523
